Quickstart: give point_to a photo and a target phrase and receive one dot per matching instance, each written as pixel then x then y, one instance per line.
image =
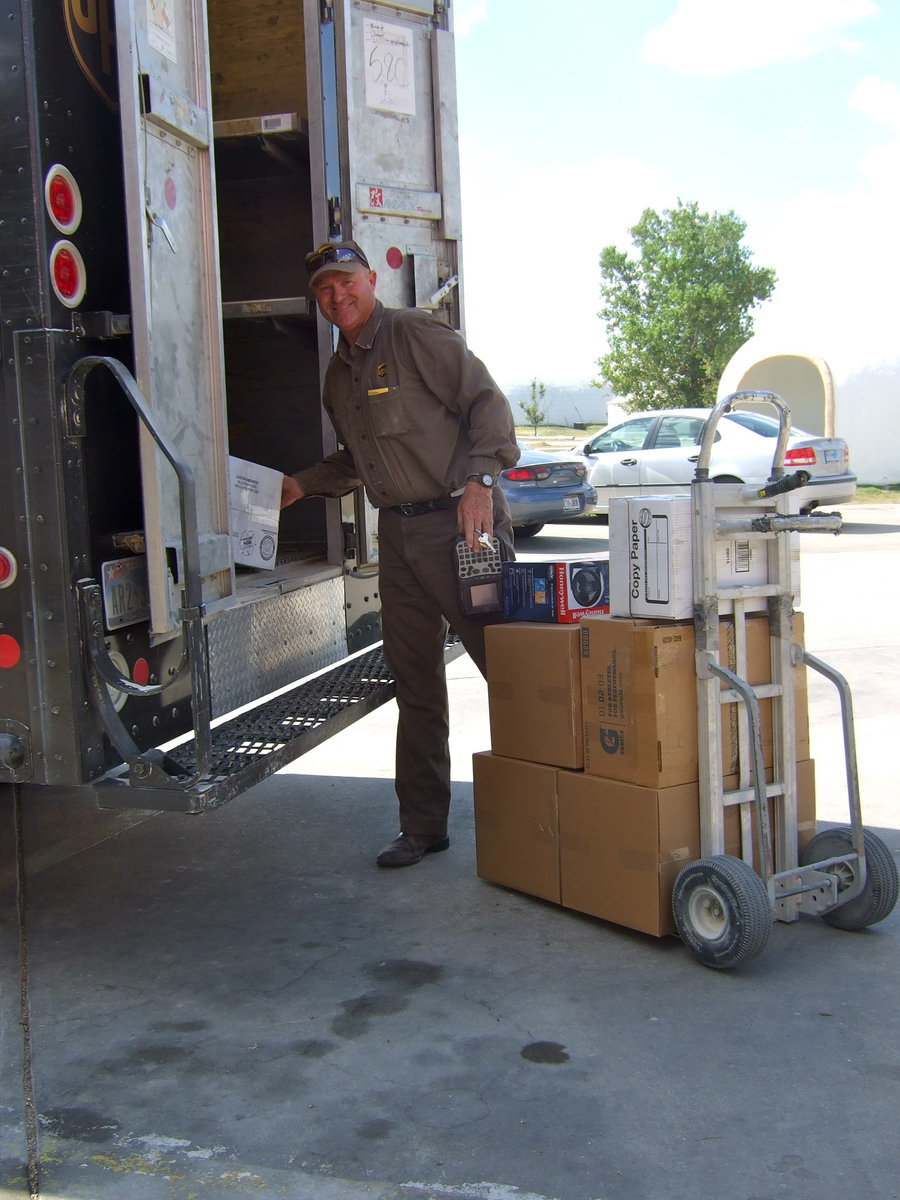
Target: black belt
pixel 425 506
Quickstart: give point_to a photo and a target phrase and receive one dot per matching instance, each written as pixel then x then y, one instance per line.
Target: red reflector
pixel 62 202
pixel 63 199
pixel 10 650
pixel 8 567
pixel 67 274
pixel 803 456
pixel 141 672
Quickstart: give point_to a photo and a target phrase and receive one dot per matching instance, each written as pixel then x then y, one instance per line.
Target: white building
pixel 829 396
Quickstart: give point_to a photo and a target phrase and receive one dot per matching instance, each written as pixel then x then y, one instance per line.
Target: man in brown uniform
pixel 426 430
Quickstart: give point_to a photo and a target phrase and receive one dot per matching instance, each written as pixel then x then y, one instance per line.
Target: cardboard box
pixel 559 591
pixel 534 692
pixel 639 697
pixel 516 829
pixel 622 846
pixel 651 551
pixel 598 846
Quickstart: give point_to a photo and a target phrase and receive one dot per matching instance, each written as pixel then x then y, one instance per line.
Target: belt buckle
pixel 408 510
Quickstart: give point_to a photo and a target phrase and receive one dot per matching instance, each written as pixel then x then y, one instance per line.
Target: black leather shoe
pixel 408 849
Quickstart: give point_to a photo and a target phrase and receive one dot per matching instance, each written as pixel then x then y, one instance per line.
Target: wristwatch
pixel 485 480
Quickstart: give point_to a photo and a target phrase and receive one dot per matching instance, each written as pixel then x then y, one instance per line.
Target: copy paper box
pixel 255 507
pixel 534 692
pixel 560 591
pixel 622 846
pixel 516 832
pixel 651 551
pixel 639 698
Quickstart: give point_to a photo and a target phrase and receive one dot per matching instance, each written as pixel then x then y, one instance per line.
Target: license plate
pixel 126 594
pixel 572 503
pixel 833 455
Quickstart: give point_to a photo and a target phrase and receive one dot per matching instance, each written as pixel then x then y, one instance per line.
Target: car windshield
pixel 760 423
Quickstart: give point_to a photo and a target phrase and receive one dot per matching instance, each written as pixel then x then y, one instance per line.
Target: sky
pixel 575 118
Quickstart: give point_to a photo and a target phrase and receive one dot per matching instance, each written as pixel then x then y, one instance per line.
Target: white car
pixel 655 453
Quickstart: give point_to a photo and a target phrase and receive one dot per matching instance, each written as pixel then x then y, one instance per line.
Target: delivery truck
pixel 165 165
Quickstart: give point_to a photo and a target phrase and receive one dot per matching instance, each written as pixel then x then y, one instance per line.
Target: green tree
pixel 534 414
pixel 677 312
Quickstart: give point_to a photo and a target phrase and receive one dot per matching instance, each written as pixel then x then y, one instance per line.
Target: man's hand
pixel 290 491
pixel 475 512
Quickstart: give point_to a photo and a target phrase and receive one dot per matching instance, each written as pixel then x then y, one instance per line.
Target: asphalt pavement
pixel 242 1004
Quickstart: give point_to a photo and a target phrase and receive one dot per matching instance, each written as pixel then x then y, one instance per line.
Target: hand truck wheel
pixel 879 895
pixel 722 911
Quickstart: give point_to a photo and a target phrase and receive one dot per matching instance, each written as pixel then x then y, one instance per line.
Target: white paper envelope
pixel 255 503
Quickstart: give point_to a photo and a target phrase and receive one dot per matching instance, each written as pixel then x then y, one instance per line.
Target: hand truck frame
pixel 724 905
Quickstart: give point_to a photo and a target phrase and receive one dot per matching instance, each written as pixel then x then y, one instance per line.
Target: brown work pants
pixel 419 598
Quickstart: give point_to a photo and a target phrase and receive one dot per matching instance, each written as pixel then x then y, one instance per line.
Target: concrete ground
pixel 242 1004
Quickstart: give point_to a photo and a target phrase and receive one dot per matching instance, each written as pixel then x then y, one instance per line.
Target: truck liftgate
pixel 164 168
pixel 216 763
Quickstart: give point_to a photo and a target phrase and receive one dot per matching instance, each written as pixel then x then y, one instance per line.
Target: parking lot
pixel 241 1004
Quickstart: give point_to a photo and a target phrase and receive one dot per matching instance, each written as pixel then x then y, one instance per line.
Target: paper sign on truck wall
pixel 255 506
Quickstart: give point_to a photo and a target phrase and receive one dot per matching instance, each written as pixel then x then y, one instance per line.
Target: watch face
pixel 487 480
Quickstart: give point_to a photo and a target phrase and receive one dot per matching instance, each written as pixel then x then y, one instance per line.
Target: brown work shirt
pixel 416 413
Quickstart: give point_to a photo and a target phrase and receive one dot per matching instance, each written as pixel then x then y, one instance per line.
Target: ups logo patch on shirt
pixel 381 370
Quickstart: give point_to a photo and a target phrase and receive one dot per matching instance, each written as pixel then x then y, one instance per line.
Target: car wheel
pixel 727 479
pixel 527 531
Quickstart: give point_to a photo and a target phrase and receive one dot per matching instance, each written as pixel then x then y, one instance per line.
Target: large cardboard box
pixel 622 846
pixel 599 846
pixel 534 692
pixel 516 829
pixel 639 697
pixel 651 552
pixel 560 591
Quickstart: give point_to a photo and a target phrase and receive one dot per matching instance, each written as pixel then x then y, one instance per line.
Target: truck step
pixel 256 742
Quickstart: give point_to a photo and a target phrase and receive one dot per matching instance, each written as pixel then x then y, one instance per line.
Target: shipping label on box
pixel 559 591
pixel 651 550
pixel 255 507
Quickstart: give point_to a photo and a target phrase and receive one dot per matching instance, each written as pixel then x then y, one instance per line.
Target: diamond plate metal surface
pixel 259 647
pixel 253 744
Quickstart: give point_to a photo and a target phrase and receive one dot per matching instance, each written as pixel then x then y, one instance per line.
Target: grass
pixel 887 493
pixel 558 430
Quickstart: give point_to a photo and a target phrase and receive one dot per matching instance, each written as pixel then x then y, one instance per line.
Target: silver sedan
pixel 655 453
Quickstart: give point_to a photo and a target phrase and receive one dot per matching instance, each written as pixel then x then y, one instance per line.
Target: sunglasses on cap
pixel 331 253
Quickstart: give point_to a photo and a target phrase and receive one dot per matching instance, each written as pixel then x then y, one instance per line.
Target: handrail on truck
pixel 149 769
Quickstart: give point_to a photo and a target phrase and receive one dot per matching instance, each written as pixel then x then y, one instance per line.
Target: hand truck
pixel 723 905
